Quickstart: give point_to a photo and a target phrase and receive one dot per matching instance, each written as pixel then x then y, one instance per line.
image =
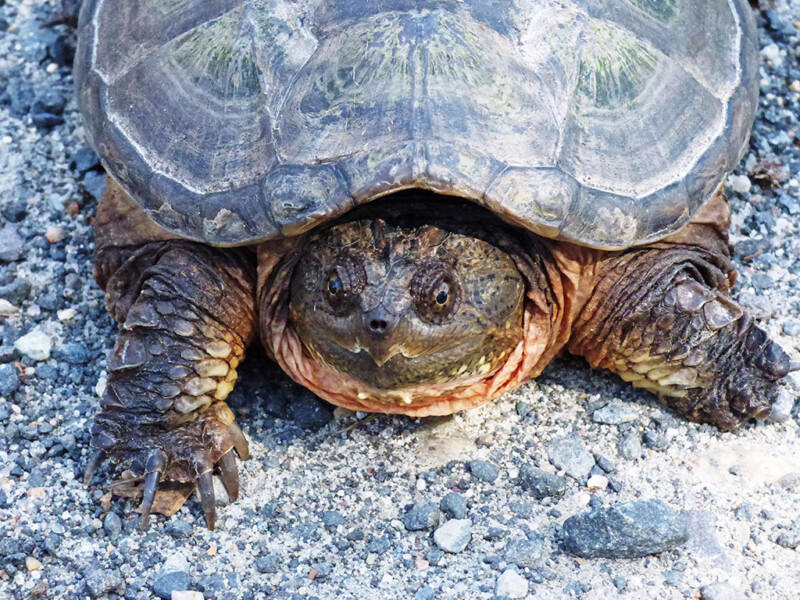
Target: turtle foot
pixel 172 462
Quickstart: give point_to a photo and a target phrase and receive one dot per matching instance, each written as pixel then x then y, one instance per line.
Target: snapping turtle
pixel 414 205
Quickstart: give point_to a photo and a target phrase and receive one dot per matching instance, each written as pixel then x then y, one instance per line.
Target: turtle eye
pixel 434 292
pixel 335 285
pixel 345 281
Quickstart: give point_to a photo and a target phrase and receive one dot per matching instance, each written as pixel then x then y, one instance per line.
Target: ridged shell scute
pixel 603 122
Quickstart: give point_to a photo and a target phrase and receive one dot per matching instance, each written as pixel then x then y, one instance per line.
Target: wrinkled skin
pixel 436 307
pixel 396 306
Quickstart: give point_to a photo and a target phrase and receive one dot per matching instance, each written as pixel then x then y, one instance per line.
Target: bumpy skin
pixel 385 325
pixel 661 316
pixel 186 312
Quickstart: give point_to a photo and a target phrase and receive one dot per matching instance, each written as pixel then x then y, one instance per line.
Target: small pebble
pixel 484 470
pixel 597 482
pixel 32 563
pixel 454 535
pixel 740 183
pixel 54 234
pixel 36 345
pixel 186 595
pixel 166 584
pixel 530 553
pixel 454 505
pixel 720 591
pixel 11 245
pixel 7 309
pixel 422 515
pixel 9 380
pixel 569 454
pixel 540 483
pixel 615 413
pixel 511 585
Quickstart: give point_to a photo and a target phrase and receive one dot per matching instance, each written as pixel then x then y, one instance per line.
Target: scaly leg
pixel 662 318
pixel 187 312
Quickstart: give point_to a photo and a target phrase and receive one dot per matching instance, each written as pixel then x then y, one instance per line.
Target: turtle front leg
pixel 662 318
pixel 187 312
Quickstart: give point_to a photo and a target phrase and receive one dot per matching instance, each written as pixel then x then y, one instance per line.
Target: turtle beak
pixel 379 335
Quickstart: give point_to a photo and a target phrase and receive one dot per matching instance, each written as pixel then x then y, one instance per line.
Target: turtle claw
pixel 205 486
pixel 156 463
pixel 91 466
pixel 229 473
pixel 240 441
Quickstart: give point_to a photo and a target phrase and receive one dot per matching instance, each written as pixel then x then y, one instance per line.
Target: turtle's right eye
pixel 345 281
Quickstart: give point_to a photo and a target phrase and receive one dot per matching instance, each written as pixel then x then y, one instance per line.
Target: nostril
pixel 378 325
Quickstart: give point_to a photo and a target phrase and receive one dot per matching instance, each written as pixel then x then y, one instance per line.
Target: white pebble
pixel 454 535
pixel 773 54
pixel 740 183
pixel 35 345
pixel 7 309
pixel 100 388
pixel 66 314
pixel 176 563
pixel 187 595
pixel 512 585
pixel 597 482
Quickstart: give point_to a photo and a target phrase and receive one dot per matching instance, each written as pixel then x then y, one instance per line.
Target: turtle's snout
pixel 379 323
pixel 379 329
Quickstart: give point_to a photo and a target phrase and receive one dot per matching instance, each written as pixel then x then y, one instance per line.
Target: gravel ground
pixel 335 505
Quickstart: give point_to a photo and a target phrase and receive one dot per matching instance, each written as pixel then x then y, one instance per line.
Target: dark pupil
pixel 441 297
pixel 334 284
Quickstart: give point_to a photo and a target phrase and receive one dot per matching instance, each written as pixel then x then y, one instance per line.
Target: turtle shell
pixel 603 122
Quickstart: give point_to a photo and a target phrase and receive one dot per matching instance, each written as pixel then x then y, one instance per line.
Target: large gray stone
pixel 628 530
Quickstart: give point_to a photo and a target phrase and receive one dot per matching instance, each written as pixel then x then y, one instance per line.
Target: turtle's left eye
pixel 335 285
pixel 345 281
pixel 434 292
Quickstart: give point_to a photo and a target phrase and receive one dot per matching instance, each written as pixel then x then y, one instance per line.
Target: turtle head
pixel 402 305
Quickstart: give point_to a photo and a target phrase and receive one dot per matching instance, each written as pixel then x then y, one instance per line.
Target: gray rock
pixel 95 183
pixel 268 564
pixel 164 585
pixel 484 470
pixel 454 505
pixel 112 525
pixel 541 484
pixel 571 456
pixel 791 537
pixel 422 515
pixel 179 528
pixel 615 413
pixel 782 409
pixel 511 585
pixel 526 553
pixel 332 518
pixel 9 380
pixel 17 291
pixel 630 446
pixel 628 530
pixel 11 245
pixel 720 591
pixel 100 581
pixel 454 535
